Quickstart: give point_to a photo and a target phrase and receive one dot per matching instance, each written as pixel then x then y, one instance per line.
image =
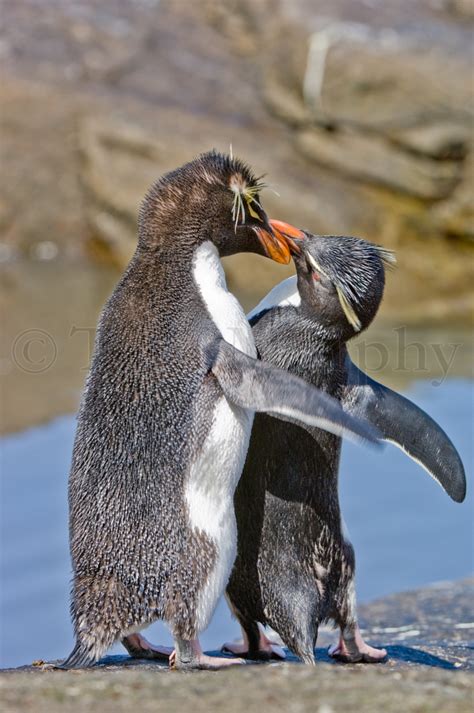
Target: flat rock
pixel 369 69
pixel 428 634
pixel 379 161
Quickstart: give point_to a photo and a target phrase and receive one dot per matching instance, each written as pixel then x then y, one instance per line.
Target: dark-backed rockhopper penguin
pixel 166 418
pixel 295 565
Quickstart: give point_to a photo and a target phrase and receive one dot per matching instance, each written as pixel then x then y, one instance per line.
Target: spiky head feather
pixel 171 192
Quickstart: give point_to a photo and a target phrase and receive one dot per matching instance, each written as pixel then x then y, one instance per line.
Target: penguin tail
pixel 80 657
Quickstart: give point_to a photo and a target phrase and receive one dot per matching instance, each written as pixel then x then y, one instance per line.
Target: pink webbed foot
pixel 354 649
pixel 267 649
pixel 140 648
pixel 192 657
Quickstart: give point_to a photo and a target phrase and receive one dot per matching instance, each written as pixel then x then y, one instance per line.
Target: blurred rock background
pixel 359 112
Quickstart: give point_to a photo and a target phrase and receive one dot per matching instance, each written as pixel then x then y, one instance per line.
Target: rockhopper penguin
pixel 166 416
pixel 295 565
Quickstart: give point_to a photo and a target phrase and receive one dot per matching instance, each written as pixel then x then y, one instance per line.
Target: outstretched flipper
pixel 407 426
pixel 258 386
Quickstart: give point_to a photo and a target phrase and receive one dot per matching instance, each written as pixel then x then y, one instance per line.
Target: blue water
pixel 405 530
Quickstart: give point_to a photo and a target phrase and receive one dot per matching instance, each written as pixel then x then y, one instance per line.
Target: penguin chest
pixel 218 465
pixel 215 472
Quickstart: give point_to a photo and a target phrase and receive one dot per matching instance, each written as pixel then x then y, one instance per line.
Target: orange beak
pixel 279 244
pixel 287 232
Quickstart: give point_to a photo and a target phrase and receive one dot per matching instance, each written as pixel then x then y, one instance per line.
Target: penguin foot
pixel 188 655
pixel 140 648
pixel 267 650
pixel 356 650
pixel 207 663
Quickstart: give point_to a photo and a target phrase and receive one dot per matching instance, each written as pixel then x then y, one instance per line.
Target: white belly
pixel 209 495
pixel 213 477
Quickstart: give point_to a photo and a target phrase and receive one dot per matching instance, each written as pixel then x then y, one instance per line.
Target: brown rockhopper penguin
pixel 295 565
pixel 166 417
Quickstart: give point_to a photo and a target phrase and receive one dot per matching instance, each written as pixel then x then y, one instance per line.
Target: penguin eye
pixel 321 281
pixel 317 273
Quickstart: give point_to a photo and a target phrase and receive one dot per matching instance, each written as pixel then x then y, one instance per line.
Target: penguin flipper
pixel 407 426
pixel 261 387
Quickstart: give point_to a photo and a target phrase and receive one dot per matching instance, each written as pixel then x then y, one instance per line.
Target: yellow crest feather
pixel 316 266
pixel 243 192
pixel 351 316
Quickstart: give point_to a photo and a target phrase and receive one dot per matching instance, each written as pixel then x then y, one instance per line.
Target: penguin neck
pixel 167 263
pixel 221 305
pixel 325 340
pixel 294 340
pixel 158 286
pixel 168 240
pixel 170 223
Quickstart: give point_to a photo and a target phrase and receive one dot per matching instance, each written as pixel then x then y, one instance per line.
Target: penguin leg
pixel 188 655
pixel 255 645
pixel 140 648
pixel 351 647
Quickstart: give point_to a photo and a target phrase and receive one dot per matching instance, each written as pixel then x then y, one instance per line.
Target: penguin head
pixel 341 280
pixel 215 197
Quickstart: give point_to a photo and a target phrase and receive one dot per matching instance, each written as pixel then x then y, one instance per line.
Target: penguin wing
pixel 407 426
pixel 258 386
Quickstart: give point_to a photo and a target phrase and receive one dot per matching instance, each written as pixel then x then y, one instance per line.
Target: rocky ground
pixel 428 634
